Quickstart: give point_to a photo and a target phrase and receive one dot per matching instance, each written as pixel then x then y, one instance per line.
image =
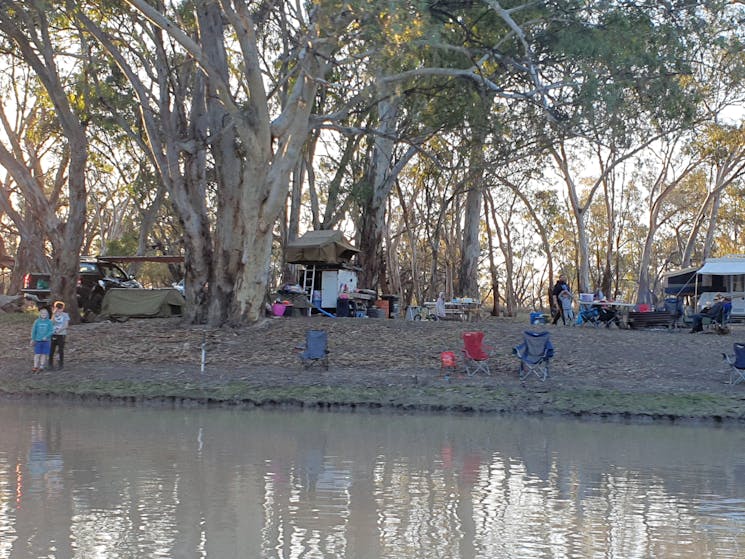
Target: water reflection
pixel 138 482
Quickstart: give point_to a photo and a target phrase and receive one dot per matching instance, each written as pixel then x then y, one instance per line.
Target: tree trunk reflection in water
pixel 137 482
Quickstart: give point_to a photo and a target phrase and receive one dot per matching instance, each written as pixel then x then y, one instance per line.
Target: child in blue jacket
pixel 41 340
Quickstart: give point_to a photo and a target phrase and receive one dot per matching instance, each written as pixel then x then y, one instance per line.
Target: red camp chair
pixel 475 353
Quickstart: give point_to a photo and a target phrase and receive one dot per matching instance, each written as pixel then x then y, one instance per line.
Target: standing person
pixel 60 320
pixel 567 306
pixel 440 306
pixel 559 286
pixel 41 339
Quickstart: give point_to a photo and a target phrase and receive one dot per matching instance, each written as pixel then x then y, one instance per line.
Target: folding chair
pixel 476 354
pixel 316 349
pixel 719 323
pixel 608 315
pixel 588 314
pixel 737 364
pixel 535 354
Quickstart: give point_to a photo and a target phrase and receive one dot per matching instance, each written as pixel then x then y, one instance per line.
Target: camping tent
pixel 142 303
pixel 320 247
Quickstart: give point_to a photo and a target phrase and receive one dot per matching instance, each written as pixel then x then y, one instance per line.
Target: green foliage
pixel 125 246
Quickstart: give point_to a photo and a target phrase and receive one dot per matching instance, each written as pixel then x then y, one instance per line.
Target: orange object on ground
pixel 383 305
pixel 447 360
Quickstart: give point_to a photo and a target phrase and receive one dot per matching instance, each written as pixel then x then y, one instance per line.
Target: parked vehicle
pixel 95 278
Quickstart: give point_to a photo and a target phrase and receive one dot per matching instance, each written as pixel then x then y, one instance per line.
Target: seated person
pixel 715 312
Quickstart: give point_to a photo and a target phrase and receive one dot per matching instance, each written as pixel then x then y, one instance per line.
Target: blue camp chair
pixel 588 314
pixel 719 323
pixel 534 354
pixel 316 349
pixel 736 363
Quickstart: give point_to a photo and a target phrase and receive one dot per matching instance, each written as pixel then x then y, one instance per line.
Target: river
pixel 134 482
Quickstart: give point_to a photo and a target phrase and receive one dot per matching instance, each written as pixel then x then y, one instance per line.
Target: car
pixel 95 278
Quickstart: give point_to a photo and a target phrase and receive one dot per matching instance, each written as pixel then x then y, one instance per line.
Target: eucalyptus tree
pixel 255 71
pixel 225 113
pixel 29 147
pixel 35 34
pixel 722 148
pixel 628 85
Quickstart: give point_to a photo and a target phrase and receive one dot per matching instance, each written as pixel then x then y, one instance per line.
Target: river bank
pixel 376 363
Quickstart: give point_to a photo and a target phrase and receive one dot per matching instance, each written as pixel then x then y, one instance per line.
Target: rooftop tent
pixel 320 247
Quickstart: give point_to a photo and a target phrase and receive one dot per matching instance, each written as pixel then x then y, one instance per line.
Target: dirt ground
pixel 378 353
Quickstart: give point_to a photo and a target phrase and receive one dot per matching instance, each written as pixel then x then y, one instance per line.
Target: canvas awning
pixel 723 267
pixel 320 247
pixel 681 272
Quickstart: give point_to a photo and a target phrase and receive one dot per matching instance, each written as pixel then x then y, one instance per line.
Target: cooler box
pixel 537 318
pixel 585 297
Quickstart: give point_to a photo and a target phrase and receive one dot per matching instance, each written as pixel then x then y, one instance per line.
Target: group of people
pixel 563 305
pixel 716 311
pixel 48 336
pixel 563 302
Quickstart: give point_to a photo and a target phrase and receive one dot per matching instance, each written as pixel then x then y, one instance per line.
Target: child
pixel 41 336
pixel 60 320
pixel 567 305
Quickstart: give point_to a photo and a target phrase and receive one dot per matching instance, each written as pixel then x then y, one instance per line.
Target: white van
pixel 706 299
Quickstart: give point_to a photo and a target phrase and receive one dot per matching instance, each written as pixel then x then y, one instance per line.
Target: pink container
pixel 278 309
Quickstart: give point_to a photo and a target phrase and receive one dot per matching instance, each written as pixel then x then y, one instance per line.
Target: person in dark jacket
pixel 715 312
pixel 559 286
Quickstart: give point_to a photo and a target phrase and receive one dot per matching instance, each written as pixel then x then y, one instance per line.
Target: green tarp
pixel 142 303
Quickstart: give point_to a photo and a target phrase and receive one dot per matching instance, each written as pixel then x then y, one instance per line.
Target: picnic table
pixel 467 311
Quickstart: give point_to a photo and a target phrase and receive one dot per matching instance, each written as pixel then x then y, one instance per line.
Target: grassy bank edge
pixel 447 398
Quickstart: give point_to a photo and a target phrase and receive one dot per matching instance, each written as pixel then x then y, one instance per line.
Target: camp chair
pixel 720 323
pixel 316 349
pixel 588 314
pixel 534 353
pixel 737 364
pixel 475 353
pixel 608 315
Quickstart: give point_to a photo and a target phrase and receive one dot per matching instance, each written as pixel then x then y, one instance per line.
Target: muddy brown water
pixel 103 481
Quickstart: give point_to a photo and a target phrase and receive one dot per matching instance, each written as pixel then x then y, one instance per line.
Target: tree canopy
pixel 472 146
